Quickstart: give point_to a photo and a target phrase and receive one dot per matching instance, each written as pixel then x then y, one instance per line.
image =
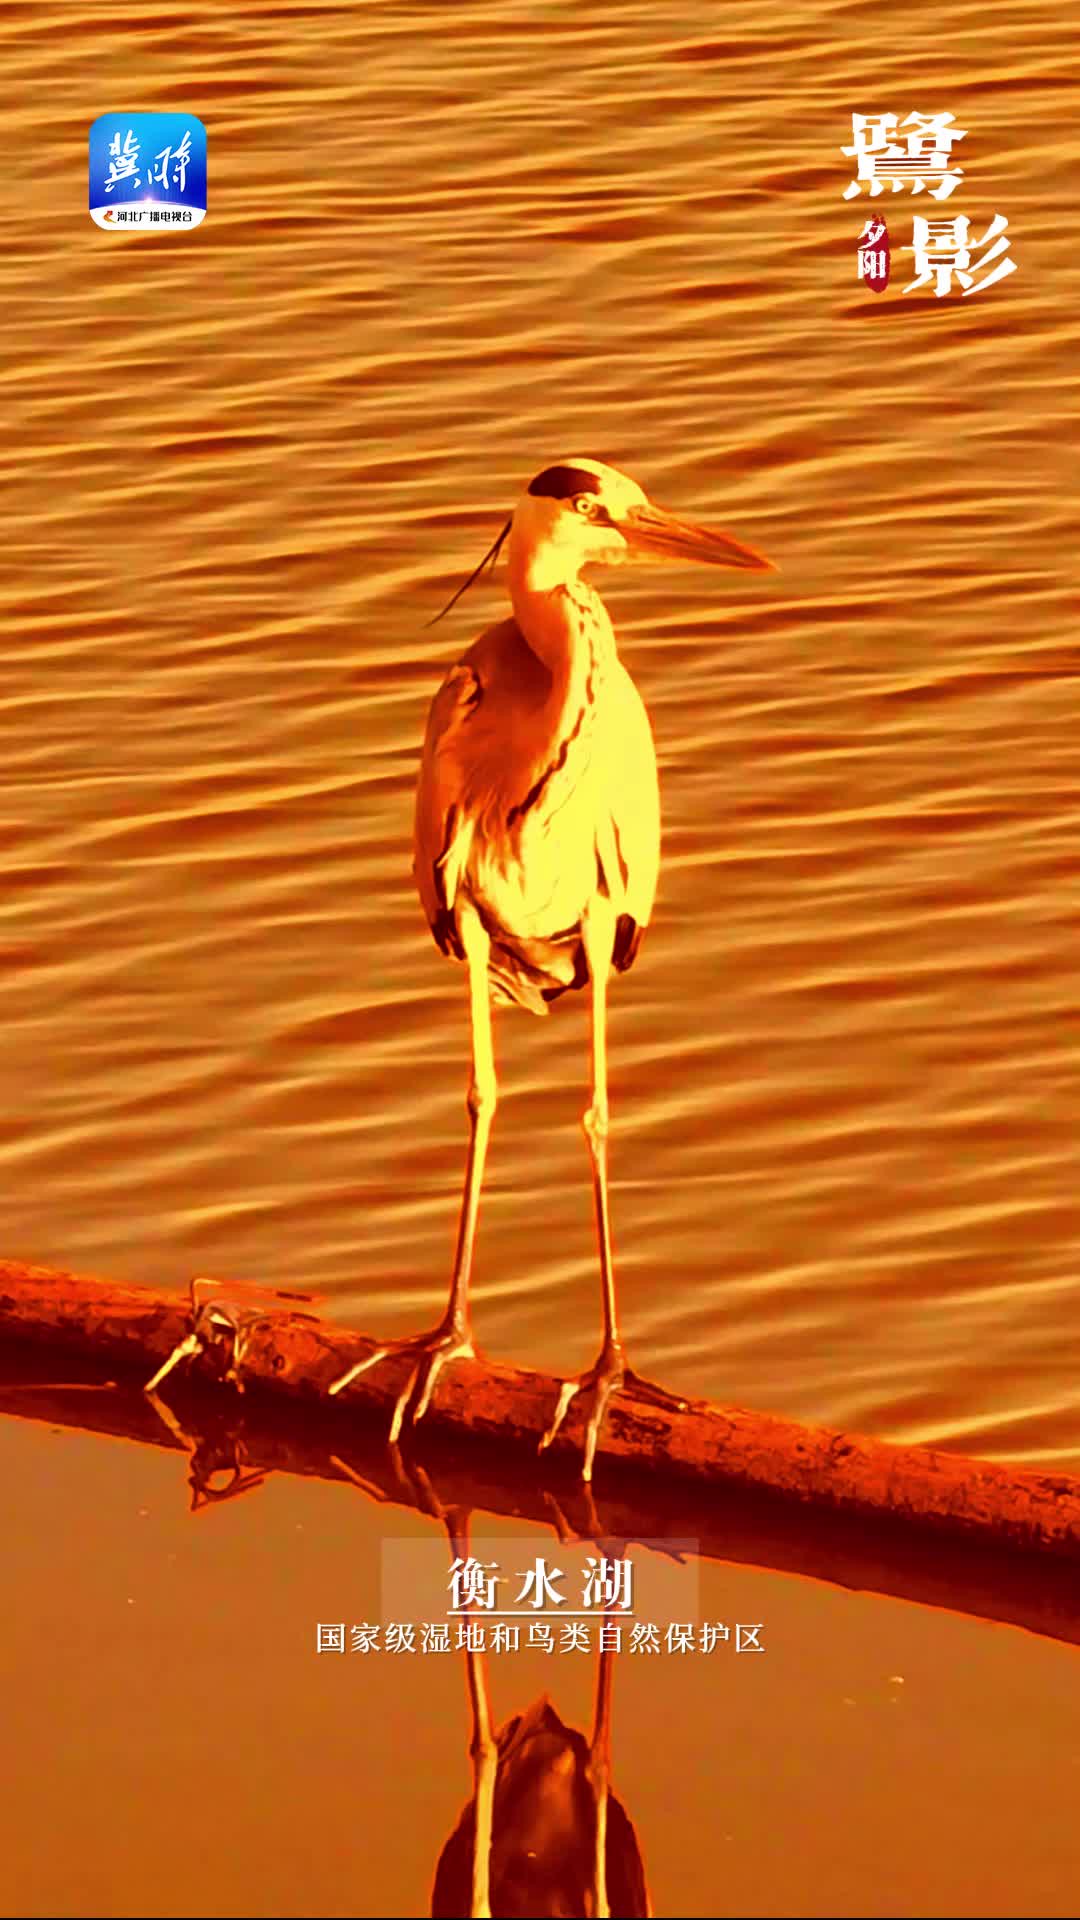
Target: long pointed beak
pixel 650 530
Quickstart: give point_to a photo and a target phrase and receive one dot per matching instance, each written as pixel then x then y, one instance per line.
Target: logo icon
pixel 148 170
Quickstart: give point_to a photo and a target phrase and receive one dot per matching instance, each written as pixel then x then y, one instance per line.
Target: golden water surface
pixel 447 245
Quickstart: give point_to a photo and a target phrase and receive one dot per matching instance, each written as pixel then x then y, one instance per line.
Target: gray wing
pixel 628 835
pixel 440 834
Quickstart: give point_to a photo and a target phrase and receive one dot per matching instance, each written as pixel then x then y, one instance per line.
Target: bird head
pixel 591 513
pixel 582 513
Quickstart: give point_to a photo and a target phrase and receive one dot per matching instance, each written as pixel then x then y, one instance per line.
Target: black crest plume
pixel 489 559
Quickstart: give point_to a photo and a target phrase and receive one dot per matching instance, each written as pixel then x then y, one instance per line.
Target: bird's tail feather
pixel 532 973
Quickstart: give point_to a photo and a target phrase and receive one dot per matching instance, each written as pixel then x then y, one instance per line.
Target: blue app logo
pixel 148 170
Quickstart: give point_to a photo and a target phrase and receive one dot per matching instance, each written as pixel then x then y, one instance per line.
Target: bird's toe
pixel 431 1352
pixel 609 1376
pixel 639 1388
pixel 595 1389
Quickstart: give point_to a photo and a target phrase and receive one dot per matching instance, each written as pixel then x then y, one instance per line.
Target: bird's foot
pixel 607 1376
pixel 433 1351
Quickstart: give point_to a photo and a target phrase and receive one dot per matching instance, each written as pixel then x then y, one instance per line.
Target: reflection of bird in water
pixel 538 841
pixel 542 1833
pixel 553 1848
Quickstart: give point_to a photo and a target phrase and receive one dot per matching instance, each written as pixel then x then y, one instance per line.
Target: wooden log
pixel 295 1356
pixel 241 1434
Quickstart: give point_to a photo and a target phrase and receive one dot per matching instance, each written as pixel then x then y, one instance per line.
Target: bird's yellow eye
pixel 584 503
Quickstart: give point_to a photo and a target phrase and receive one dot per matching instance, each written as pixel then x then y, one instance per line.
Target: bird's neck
pixel 562 618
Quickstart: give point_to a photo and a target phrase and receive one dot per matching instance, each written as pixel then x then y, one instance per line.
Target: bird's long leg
pixel 610 1373
pixel 481 1105
pixel 599 1774
pixel 483 1748
pixel 485 1761
pixel 452 1338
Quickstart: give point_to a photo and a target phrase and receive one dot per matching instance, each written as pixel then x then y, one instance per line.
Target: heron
pixel 537 848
